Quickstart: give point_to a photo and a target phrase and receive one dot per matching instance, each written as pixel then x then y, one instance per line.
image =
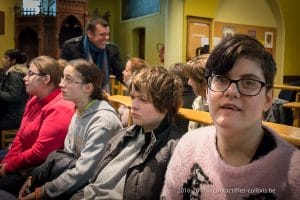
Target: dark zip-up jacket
pixel 13 97
pixel 145 177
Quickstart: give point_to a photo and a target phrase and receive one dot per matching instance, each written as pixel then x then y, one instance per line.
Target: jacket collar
pixel 49 98
pixel 134 129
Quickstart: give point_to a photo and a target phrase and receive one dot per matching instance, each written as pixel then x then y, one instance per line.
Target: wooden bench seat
pixel 289 133
pixel 7 136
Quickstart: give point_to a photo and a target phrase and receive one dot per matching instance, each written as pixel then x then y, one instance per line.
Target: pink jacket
pixel 196 162
pixel 43 129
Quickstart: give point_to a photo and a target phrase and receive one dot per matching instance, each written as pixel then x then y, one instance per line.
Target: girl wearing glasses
pixel 44 124
pixel 93 124
pixel 238 157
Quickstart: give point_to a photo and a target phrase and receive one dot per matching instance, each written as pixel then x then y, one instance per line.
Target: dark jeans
pixel 3 153
pixel 9 124
pixel 6 196
pixel 78 195
pixel 12 183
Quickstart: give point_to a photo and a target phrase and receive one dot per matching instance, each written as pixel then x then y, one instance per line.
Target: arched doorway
pixel 29 43
pixel 70 28
pixel 139 42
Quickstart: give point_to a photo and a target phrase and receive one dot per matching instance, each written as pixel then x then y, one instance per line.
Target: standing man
pixel 94 46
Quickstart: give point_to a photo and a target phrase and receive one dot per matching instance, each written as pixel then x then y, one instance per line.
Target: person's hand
pixel 2 169
pixel 36 195
pixel 25 190
pixel 30 196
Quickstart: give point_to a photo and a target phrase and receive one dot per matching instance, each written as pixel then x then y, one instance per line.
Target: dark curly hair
pixel 237 46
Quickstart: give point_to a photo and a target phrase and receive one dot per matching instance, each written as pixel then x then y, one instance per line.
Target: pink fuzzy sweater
pixel 196 171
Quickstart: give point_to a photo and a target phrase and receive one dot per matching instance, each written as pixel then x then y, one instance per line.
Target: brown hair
pixel 48 66
pixel 137 64
pixel 90 73
pixel 196 70
pixel 237 46
pixel 164 89
pixel 180 70
pixel 91 26
pixel 196 67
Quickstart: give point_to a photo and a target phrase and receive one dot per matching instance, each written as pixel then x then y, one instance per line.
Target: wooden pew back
pixel 289 133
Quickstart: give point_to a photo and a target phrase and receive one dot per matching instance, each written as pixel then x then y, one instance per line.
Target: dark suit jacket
pixel 73 49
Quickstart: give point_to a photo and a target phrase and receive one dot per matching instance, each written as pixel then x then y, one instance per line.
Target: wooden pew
pixel 7 136
pixel 287 87
pixel 196 116
pixel 294 105
pixel 289 133
pixel 117 100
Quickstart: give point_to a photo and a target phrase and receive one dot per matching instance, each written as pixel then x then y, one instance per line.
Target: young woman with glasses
pixel 43 127
pixel 238 157
pixel 93 124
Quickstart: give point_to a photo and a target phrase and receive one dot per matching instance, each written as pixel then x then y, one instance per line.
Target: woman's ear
pixel 88 88
pixel 46 79
pixel 269 100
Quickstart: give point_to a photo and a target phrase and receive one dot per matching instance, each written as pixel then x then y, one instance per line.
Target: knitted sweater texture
pixel 196 171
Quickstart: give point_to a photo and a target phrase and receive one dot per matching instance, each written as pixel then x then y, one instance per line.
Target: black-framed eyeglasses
pixel 31 73
pixel 69 81
pixel 248 86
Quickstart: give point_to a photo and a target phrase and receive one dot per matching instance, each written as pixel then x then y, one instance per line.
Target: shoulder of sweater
pixel 101 108
pixel 103 105
pixel 197 136
pixel 201 132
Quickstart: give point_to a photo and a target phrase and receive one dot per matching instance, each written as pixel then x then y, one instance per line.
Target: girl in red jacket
pixel 44 124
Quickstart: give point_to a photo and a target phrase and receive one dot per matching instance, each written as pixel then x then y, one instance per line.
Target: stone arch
pixel 29 43
pixel 70 27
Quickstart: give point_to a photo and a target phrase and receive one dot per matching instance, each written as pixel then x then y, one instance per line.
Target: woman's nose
pixel 232 90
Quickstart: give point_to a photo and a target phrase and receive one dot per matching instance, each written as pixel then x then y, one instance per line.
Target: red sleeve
pixel 51 137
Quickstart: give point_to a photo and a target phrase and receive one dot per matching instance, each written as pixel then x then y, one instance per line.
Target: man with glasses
pixel 238 157
pixel 95 47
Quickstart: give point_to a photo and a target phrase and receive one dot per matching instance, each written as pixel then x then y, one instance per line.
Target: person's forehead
pixel 70 70
pixel 128 65
pixel 32 66
pixel 101 29
pixel 247 67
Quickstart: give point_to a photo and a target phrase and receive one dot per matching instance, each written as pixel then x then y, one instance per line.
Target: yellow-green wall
pixel 104 6
pixel 155 26
pixel 200 8
pixel 122 32
pixel 291 14
pixel 7 40
pixel 154 34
